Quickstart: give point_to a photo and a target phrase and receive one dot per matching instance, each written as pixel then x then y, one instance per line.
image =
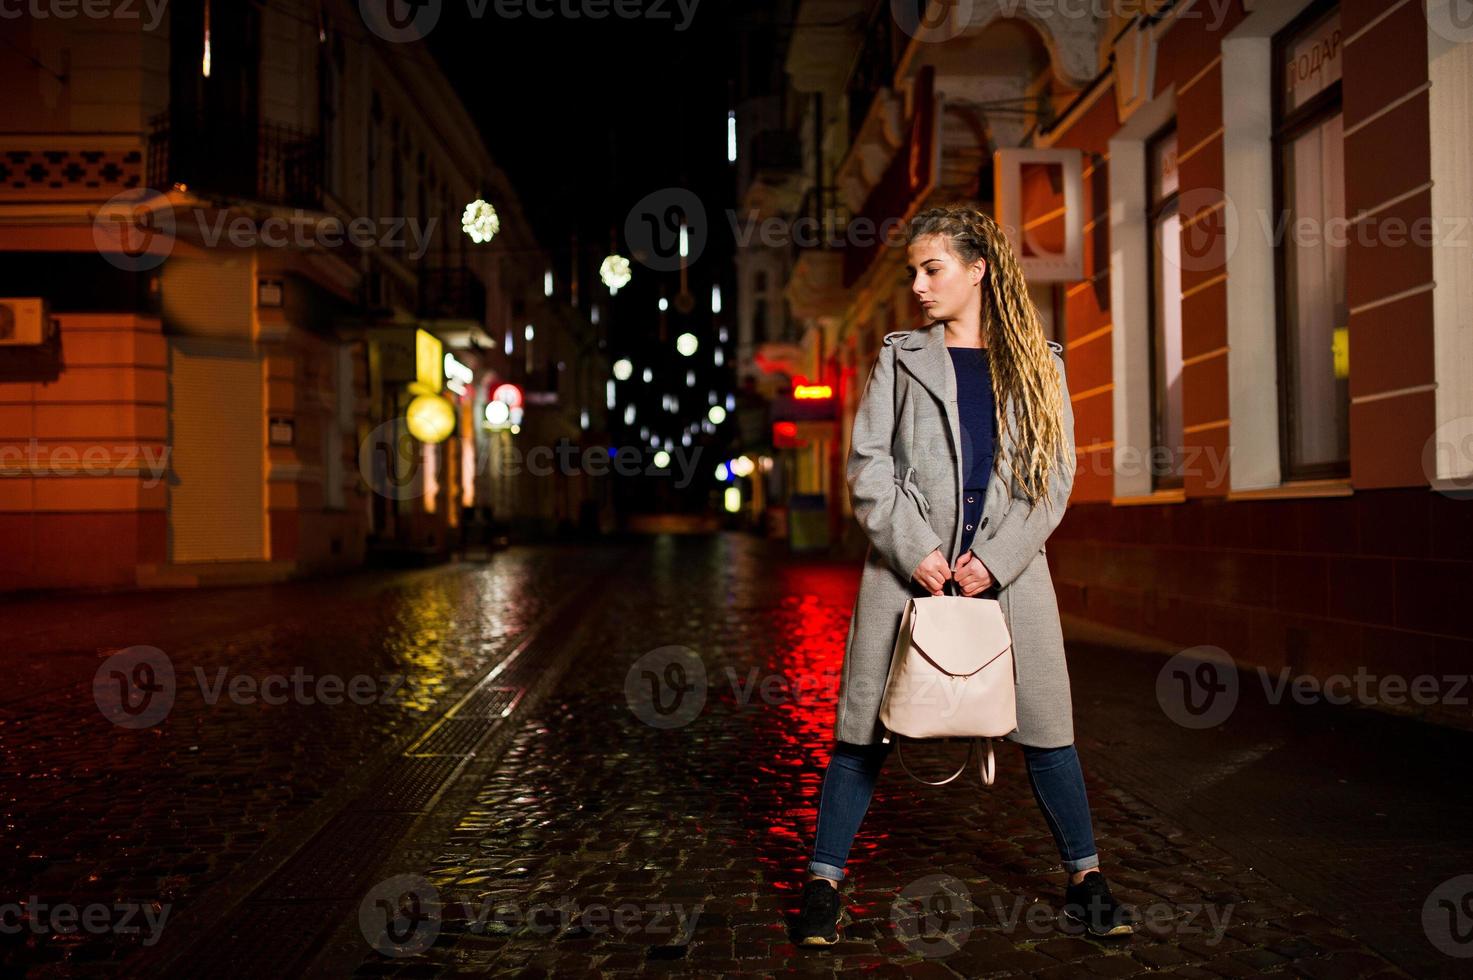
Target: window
pixel 329 109
pixel 759 307
pixel 1309 200
pixel 1168 441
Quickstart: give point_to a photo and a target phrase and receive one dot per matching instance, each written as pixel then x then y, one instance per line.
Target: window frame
pixel 1284 129
pixel 1154 212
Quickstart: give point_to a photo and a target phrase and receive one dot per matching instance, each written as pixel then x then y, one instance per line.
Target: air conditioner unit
pixel 24 321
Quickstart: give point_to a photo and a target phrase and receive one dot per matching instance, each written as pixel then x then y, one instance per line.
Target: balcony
pixel 267 162
pixel 820 222
pixel 874 69
pixel 453 293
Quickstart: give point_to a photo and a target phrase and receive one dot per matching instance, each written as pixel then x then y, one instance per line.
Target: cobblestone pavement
pixel 133 825
pixel 628 830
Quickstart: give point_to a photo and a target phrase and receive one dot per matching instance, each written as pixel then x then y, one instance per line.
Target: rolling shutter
pixel 217 509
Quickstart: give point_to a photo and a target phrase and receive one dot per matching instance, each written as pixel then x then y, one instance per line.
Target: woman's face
pixel 942 284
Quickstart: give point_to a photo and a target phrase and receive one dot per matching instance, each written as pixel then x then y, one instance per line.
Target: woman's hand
pixel 971 575
pixel 932 572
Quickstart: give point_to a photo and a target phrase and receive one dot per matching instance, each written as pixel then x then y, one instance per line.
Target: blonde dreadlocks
pixel 1019 357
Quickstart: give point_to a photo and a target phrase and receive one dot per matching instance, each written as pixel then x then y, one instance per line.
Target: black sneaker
pixel 818 922
pixel 1090 904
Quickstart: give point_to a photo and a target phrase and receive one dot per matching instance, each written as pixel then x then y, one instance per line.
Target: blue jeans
pixel 849 783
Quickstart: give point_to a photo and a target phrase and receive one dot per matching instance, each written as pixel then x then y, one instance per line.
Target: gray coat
pixel 905 485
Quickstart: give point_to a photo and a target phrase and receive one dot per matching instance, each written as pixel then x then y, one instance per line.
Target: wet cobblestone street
pixel 697 834
pixel 102 815
pixel 599 762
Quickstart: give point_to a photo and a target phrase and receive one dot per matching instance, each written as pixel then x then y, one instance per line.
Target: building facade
pixel 224 234
pixel 1242 222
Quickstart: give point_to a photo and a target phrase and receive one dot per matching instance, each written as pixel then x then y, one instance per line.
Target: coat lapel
pixel 923 354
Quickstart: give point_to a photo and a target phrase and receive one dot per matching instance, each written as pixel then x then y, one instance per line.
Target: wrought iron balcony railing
pixel 264 162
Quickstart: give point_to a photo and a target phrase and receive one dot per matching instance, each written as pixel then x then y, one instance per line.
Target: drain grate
pixel 489 703
pixel 411 786
pixel 452 737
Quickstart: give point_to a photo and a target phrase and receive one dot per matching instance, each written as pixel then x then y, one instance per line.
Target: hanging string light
pixel 480 221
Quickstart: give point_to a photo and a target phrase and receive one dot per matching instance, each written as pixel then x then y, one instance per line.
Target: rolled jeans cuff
pixel 1082 864
pixel 826 870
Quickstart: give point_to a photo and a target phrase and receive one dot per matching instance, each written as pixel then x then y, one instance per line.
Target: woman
pixel 928 481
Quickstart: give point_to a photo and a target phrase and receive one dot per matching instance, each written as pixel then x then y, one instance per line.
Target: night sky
pixel 588 116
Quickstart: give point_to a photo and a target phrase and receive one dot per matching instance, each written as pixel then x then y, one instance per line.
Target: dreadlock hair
pixel 1019 358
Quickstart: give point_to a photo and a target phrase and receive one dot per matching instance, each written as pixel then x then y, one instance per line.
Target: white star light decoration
pixel 615 272
pixel 480 221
